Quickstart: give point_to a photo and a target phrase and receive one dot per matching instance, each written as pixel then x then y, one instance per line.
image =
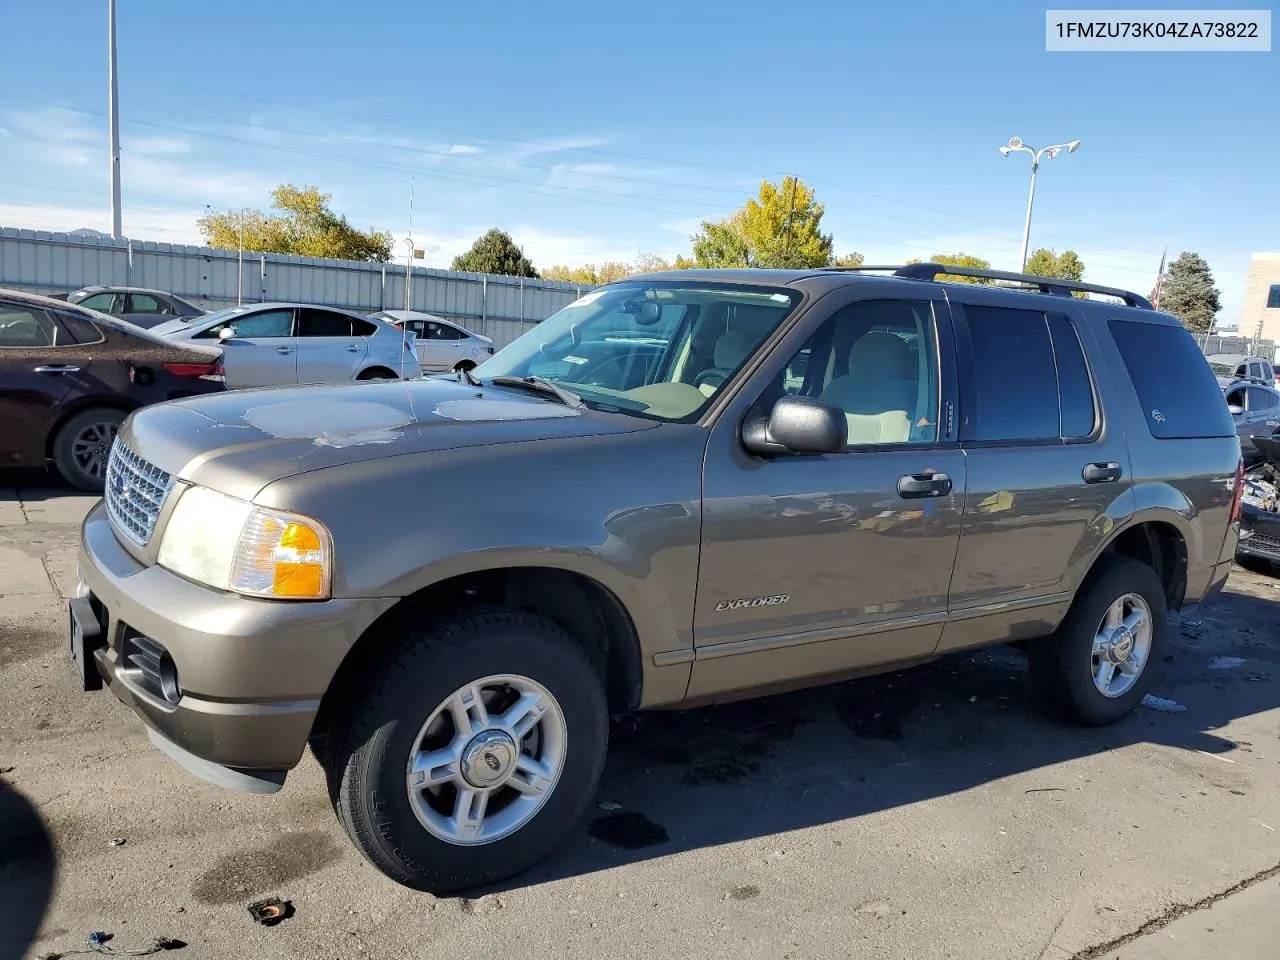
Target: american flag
pixel 1159 278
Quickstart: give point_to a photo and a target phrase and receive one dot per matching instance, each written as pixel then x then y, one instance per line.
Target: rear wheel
pixel 476 749
pixel 377 373
pixel 1100 663
pixel 464 365
pixel 82 445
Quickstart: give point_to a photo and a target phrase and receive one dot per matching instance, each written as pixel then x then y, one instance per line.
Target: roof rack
pixel 1049 285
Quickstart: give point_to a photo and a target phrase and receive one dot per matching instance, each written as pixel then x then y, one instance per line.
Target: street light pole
pixel 1016 145
pixel 113 112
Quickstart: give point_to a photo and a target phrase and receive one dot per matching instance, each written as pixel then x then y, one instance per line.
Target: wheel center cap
pixel 488 759
pixel 1121 645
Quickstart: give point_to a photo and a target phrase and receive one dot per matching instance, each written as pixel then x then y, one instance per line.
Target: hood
pixel 240 441
pixel 170 327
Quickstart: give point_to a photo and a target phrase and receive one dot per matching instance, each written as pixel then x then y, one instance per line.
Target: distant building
pixel 1261 314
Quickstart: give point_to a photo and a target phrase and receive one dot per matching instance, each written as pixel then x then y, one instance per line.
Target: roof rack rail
pixel 1049 285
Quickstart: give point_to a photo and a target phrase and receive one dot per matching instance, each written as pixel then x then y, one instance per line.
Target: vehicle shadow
pixel 27 872
pixel 686 780
pixel 34 484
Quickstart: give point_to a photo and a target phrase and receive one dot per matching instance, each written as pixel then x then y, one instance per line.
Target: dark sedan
pixel 69 377
pixel 141 306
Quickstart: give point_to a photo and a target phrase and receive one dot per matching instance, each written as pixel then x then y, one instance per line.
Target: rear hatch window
pixel 1180 395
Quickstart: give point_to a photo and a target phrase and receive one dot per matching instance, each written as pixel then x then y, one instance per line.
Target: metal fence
pixel 1212 343
pixel 498 307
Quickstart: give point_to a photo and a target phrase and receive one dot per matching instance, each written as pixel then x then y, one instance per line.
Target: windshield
pixel 1223 369
pixel 656 350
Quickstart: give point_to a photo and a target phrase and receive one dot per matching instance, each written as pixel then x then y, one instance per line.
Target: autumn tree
pixel 305 226
pixel 959 260
pixel 849 260
pixel 778 228
pixel 1187 291
pixel 495 253
pixel 1060 266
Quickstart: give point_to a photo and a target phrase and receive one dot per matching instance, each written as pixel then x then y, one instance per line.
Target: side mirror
pixel 226 333
pixel 796 425
pixel 1235 409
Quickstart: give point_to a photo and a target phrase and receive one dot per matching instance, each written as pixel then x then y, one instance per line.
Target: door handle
pixel 1101 472
pixel 284 349
pixel 57 369
pixel 915 485
pixel 353 349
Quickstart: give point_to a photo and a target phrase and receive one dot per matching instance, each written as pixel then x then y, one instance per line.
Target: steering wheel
pixel 713 377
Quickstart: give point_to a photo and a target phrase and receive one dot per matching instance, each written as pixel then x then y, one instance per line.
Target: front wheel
pixel 82 447
pixel 476 748
pixel 1100 663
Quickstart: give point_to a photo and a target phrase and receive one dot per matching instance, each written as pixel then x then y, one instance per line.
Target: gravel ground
pixel 932 813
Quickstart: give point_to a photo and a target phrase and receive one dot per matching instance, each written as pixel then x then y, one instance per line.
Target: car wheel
pixel 1101 661
pixel 476 748
pixel 464 365
pixel 81 447
pixel 377 373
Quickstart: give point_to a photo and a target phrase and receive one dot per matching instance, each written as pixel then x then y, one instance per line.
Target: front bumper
pixel 250 673
pixel 1259 533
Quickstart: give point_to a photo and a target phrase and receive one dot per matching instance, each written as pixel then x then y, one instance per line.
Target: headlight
pixel 232 545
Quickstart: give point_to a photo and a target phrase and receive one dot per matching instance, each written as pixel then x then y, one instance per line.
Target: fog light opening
pixel 169 686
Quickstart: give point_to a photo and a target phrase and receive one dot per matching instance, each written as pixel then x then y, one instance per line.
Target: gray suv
pixel 682 488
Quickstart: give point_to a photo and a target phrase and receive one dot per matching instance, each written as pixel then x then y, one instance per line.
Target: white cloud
pixel 464 149
pixel 140 222
pixel 155 146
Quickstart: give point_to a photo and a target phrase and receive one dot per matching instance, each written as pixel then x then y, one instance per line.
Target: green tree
pixel 1187 291
pixel 778 228
pixel 1060 266
pixel 850 260
pixel 305 227
pixel 495 253
pixel 960 260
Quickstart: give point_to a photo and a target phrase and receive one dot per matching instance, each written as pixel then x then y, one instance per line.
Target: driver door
pixel 814 565
pixel 261 351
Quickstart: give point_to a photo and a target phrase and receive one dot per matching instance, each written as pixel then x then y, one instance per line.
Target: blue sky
pixel 594 131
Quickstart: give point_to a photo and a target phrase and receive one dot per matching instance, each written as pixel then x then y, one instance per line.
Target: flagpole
pixel 1159 279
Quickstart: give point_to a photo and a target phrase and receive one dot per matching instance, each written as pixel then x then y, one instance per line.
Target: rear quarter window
pixel 1178 391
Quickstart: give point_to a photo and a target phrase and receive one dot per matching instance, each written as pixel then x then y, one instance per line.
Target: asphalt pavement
pixel 933 813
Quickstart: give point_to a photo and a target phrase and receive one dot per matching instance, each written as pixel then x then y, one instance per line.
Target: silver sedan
pixel 442 344
pixel 276 344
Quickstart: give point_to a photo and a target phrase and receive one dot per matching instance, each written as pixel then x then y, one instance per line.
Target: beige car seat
pixel 879 391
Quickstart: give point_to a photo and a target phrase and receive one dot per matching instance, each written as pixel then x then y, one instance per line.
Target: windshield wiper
pixel 542 386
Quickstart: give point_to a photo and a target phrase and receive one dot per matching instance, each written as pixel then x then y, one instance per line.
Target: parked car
pixel 1239 366
pixel 1259 544
pixel 1255 408
pixel 826 473
pixel 139 305
pixel 70 376
pixel 442 344
pixel 278 344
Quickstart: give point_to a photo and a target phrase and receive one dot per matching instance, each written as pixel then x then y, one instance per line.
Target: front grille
pixel 1261 546
pixel 135 491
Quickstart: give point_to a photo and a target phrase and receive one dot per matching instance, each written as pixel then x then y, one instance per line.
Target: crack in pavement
pixel 1175 912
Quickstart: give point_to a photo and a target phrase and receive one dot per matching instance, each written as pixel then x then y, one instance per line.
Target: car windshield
pixel 659 350
pixel 1223 369
pixel 215 318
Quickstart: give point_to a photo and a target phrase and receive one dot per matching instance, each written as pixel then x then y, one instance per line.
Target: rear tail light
pixel 201 371
pixel 1238 494
pixel 491 349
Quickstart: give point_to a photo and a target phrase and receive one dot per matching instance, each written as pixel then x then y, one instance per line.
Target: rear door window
pixel 1012 391
pixel 1260 400
pixel 102 302
pixel 323 323
pixel 143 303
pixel 1179 394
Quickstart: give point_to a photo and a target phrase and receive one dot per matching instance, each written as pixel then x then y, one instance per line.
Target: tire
pixel 83 470
pixel 377 373
pixel 1063 665
pixel 370 748
pixel 463 365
